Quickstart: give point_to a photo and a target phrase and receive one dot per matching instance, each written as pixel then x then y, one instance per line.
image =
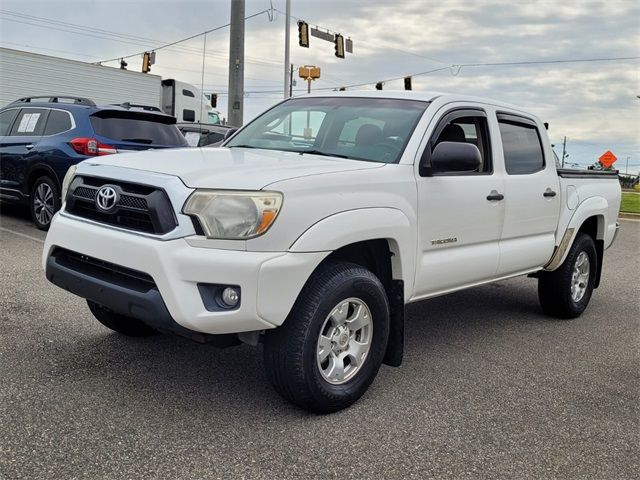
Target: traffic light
pixel 146 62
pixel 214 100
pixel 379 86
pixel 407 83
pixel 338 41
pixel 303 34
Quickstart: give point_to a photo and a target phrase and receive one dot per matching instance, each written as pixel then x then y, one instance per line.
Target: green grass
pixel 630 202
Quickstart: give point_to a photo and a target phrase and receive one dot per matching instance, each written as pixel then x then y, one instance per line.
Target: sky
pixel 594 104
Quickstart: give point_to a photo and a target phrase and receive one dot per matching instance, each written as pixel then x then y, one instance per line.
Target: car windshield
pixel 371 129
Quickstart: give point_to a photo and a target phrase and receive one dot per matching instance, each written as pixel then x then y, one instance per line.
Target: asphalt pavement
pixel 490 388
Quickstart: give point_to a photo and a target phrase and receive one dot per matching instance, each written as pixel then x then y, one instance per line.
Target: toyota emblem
pixel 107 198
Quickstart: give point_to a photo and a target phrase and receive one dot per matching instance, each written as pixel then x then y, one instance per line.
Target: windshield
pixel 371 129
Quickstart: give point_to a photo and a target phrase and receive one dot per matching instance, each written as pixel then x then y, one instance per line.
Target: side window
pixel 30 122
pixel 6 119
pixel 467 129
pixel 189 115
pixel 58 122
pixel 522 147
pixel 188 93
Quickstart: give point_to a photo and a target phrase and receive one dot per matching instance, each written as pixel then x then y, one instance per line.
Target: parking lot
pixel 489 388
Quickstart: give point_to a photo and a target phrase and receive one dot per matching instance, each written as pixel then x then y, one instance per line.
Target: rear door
pixel 532 200
pixel 19 148
pixel 136 130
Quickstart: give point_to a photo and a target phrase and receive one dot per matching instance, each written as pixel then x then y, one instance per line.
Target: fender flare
pixel 352 226
pixel 591 207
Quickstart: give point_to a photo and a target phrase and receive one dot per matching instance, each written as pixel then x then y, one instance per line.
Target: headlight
pixel 234 215
pixel 67 181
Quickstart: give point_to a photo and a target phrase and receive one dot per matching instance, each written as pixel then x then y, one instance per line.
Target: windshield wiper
pixel 138 140
pixel 324 154
pixel 241 146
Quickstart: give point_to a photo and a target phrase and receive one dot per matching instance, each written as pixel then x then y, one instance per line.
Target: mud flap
pixel 395 345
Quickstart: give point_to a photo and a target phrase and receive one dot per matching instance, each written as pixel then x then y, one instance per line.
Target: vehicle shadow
pixel 181 374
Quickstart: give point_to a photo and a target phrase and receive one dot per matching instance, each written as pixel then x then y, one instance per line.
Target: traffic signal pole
pixel 287 31
pixel 236 64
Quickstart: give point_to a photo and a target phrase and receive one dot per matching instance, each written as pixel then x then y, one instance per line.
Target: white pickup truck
pixel 313 226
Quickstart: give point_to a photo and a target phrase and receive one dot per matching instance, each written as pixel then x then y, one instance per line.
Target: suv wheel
pixel 565 292
pixel 45 202
pixel 328 351
pixel 131 327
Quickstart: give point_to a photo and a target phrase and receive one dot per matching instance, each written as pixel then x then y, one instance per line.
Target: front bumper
pixel 269 281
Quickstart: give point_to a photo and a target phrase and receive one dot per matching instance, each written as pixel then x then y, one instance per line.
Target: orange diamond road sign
pixel 607 159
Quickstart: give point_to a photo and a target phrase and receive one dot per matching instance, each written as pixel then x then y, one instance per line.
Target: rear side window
pixel 30 122
pixel 188 115
pixel 6 119
pixel 522 148
pixel 136 128
pixel 58 122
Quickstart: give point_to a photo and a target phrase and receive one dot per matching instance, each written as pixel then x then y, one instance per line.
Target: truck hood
pixel 231 168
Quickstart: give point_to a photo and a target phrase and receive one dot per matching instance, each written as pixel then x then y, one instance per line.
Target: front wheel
pixel 565 292
pixel 330 348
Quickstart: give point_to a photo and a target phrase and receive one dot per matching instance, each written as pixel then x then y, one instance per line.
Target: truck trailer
pixel 26 74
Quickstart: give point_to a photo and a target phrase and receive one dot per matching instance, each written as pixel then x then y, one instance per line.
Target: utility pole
pixel 236 64
pixel 626 168
pixel 287 32
pixel 564 149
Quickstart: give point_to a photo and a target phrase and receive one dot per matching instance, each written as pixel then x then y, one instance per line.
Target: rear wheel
pixel 565 292
pixel 120 323
pixel 44 202
pixel 328 351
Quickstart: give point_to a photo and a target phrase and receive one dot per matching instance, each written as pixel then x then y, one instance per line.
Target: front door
pixel 460 214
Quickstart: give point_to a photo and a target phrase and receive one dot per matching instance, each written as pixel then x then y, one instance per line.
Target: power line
pixel 407 52
pixel 184 39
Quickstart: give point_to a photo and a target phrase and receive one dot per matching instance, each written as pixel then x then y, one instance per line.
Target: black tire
pixel 120 323
pixel 290 350
pixel 44 201
pixel 554 288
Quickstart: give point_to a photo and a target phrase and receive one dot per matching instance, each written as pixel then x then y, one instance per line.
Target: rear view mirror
pixel 455 157
pixel 230 132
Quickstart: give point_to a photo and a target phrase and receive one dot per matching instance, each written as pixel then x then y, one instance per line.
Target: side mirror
pixel 230 132
pixel 455 157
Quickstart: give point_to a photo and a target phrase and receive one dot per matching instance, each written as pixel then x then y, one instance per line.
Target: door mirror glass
pixel 455 157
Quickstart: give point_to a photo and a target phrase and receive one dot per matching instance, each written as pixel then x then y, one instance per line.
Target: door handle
pixel 494 196
pixel 548 193
pixel 29 146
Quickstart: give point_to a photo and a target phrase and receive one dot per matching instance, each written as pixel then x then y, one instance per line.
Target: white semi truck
pixel 25 74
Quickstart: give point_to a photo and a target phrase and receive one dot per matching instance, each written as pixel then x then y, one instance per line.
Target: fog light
pixel 230 297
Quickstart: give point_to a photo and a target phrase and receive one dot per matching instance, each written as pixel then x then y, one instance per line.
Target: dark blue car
pixel 41 137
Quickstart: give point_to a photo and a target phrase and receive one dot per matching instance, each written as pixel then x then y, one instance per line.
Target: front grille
pixel 139 207
pixel 95 268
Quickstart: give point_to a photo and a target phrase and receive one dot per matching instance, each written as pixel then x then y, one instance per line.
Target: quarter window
pixel 522 148
pixel 188 93
pixel 57 122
